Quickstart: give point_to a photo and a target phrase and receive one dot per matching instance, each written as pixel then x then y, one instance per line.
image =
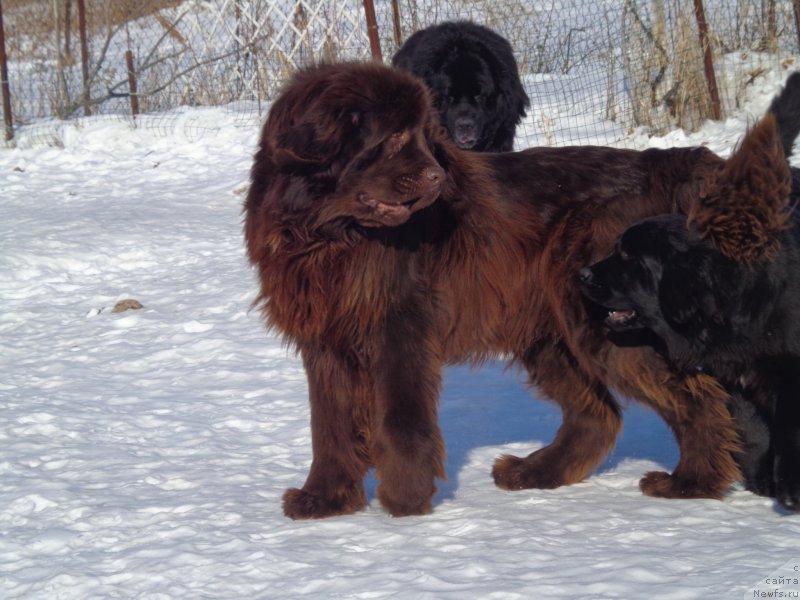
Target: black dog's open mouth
pixel 465 142
pixel 620 317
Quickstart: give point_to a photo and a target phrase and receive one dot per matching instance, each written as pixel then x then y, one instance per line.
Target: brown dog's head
pixel 347 144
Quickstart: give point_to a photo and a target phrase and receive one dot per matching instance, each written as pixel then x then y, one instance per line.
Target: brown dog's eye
pixel 396 141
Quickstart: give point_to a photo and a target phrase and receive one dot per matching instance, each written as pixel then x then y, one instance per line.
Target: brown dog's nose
pixel 433 174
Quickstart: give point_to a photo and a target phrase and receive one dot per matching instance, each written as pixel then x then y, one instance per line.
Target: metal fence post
pixel 84 57
pixel 9 123
pixel 372 30
pixel 796 12
pixel 708 62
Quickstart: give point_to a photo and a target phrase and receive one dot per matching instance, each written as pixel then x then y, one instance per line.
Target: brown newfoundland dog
pixel 385 252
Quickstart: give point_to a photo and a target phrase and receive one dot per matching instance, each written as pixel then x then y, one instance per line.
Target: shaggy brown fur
pixel 721 294
pixel 385 252
pixel 740 228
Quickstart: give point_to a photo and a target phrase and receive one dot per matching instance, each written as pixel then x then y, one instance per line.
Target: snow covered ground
pixel 143 454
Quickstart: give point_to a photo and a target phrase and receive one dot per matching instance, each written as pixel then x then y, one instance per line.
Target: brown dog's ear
pixel 308 122
pixel 747 207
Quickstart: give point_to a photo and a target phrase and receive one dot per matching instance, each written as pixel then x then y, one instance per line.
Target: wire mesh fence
pixel 596 72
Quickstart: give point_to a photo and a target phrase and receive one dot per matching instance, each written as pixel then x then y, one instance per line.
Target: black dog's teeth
pixel 622 315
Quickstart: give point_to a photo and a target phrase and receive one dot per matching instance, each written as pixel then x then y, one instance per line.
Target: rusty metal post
pixel 796 10
pixel 84 57
pixel 7 119
pixel 68 28
pixel 397 28
pixel 132 84
pixel 772 27
pixel 708 62
pixel 372 30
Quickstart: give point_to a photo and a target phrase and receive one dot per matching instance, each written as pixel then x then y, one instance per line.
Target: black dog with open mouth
pixel 719 291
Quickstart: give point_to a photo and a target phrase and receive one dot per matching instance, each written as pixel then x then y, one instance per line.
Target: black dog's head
pixel 465 95
pixel 698 282
pixel 474 79
pixel 663 278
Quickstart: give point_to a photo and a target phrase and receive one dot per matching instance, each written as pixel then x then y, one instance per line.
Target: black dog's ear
pixel 746 208
pixel 696 287
pixel 678 300
pixel 512 99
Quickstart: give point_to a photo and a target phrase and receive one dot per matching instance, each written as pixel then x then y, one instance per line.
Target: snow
pixel 144 453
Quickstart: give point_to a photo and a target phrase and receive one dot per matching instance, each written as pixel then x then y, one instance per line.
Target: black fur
pixel 711 313
pixel 473 77
pixel 667 286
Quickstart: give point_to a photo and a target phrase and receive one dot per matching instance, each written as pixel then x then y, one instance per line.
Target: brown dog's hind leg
pixel 340 437
pixel 696 409
pixel 591 422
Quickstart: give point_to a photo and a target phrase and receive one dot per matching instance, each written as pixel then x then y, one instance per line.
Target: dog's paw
pixel 787 479
pixel 405 507
pixel 761 485
pixel 788 494
pixel 300 504
pixel 663 485
pixel 514 473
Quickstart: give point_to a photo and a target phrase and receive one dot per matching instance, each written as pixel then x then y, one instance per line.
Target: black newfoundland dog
pixel 719 292
pixel 474 79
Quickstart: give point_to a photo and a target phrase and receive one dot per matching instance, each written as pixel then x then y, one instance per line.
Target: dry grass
pixel 30 24
pixel 675 94
pixel 690 103
pixel 119 11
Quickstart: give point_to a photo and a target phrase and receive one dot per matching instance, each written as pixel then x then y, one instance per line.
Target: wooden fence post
pixel 132 84
pixel 7 119
pixel 708 62
pixel 372 30
pixel 84 57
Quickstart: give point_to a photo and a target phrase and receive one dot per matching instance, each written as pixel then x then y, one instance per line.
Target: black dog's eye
pixel 624 255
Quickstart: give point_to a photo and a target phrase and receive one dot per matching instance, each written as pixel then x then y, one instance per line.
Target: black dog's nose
pixel 465 124
pixel 585 275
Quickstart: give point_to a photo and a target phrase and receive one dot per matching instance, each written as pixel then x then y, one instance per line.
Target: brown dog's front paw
pixel 300 504
pixel 514 473
pixel 406 508
pixel 663 485
pixel 406 502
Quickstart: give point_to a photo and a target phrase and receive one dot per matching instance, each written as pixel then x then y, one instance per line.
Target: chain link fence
pixel 596 72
